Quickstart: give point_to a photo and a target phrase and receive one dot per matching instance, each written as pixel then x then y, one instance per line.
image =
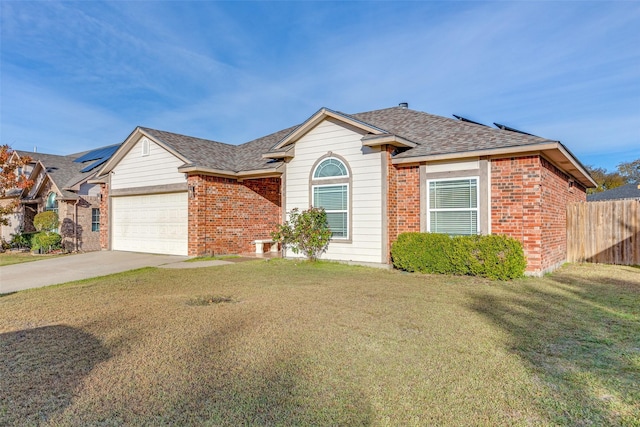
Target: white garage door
pixel 155 223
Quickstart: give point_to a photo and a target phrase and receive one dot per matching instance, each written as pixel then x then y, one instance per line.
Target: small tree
pixel 46 221
pixel 11 179
pixel 307 232
pixel 47 239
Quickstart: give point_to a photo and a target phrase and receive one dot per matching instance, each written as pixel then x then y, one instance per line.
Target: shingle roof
pixel 249 155
pixel 198 151
pixel 62 170
pixel 629 191
pixel 432 135
pixel 441 135
pixel 218 155
pixel 67 171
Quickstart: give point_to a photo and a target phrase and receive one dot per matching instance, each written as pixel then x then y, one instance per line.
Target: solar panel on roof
pixel 98 154
pixel 462 119
pixel 94 164
pixel 503 127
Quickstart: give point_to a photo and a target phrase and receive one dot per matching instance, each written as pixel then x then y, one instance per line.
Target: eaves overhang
pixel 387 139
pixel 248 174
pixel 280 155
pixel 553 150
pixel 104 179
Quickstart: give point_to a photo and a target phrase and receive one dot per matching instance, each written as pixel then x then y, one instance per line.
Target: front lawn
pixel 9 257
pixel 286 343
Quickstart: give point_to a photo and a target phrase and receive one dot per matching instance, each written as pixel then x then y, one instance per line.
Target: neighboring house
pixel 628 191
pixel 60 185
pixel 13 220
pixel 377 174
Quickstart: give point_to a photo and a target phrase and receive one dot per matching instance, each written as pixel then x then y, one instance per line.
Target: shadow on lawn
pixel 280 395
pixel 40 369
pixel 580 336
pixel 268 385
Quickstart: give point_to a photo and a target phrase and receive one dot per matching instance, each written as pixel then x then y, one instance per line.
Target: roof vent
pixel 403 105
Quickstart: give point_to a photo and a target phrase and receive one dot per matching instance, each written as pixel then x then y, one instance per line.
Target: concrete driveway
pixel 17 277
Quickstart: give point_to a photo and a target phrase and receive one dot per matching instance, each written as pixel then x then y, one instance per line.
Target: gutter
pixel 575 167
pixel 258 173
pixel 75 228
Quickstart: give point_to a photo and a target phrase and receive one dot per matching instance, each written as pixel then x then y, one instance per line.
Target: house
pixel 377 174
pixel 628 191
pixel 61 185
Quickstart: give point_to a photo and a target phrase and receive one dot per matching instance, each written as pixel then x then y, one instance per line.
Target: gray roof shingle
pixel 432 135
pixel 62 169
pixel 198 151
pixel 218 155
pixel 441 135
pixel 628 191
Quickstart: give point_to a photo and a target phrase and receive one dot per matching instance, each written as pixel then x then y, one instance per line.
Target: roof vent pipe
pixel 403 105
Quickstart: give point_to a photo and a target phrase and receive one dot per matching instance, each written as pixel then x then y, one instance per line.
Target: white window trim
pixel 146 146
pixel 477 208
pixel 346 211
pixel 313 174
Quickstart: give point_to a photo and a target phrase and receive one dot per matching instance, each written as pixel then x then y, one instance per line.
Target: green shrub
pixel 46 241
pixel 307 232
pixel 494 257
pixel 422 252
pixel 46 221
pixel 22 240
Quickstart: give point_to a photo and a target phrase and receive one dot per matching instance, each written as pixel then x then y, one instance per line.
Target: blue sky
pixel 79 75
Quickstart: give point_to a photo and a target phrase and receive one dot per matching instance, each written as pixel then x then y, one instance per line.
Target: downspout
pixel 75 225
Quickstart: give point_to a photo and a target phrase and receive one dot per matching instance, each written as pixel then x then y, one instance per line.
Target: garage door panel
pixel 155 223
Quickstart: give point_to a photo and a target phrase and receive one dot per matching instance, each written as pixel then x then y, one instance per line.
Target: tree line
pixel 625 173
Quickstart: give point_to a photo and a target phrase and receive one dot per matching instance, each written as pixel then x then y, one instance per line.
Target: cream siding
pixel 160 167
pixel 366 187
pixel 89 190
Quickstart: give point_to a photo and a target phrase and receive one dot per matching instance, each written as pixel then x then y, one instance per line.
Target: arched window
pixel 330 190
pixel 330 168
pixel 52 203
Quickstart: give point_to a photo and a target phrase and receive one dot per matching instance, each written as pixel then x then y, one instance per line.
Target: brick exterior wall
pixel 528 202
pixel 104 217
pixel 516 205
pixel 77 235
pixel 226 216
pixel 557 190
pixel 403 199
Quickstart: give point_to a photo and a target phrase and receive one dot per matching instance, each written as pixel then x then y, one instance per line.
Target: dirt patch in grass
pixel 324 344
pixel 210 300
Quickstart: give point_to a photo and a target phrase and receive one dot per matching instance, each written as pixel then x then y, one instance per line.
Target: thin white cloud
pixel 34 116
pixel 236 71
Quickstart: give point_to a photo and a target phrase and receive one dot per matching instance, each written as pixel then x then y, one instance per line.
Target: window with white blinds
pixel 334 199
pixel 452 206
pixel 330 190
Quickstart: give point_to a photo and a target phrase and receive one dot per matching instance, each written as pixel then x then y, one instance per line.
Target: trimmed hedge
pixel 23 240
pixel 492 256
pixel 45 241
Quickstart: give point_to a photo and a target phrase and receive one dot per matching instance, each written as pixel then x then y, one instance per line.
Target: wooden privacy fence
pixel 604 232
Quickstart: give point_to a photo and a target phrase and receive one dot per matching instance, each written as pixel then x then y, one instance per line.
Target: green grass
pixel 8 258
pixel 212 258
pixel 294 343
